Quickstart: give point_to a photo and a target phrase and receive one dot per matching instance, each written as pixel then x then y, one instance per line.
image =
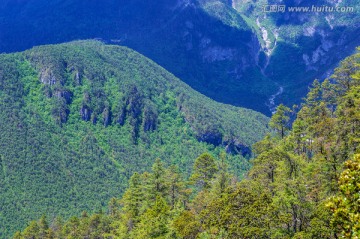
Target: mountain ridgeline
pixel 78 119
pixel 304 183
pixel 230 51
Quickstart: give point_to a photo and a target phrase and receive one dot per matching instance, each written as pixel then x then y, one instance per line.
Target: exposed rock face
pixel 62 93
pixel 132 108
pixel 47 77
pixel 85 113
pixel 122 116
pixel 150 119
pixel 236 147
pixel 77 78
pixel 210 134
pixel 309 31
pixel 106 116
pixel 214 138
pixel 53 88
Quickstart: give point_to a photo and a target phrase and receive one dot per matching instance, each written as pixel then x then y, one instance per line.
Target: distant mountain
pixel 230 51
pixel 78 119
pixel 215 55
pixel 304 41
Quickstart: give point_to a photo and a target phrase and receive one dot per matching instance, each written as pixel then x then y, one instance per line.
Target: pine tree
pixel 158 179
pixel 72 228
pixel 345 75
pixel 43 227
pixel 176 186
pixel 314 94
pixel 154 223
pixel 186 225
pixel 114 207
pixel 348 115
pixel 133 199
pixel 204 171
pixel 57 226
pixel 18 235
pixel 281 119
pixel 222 177
pixel 32 231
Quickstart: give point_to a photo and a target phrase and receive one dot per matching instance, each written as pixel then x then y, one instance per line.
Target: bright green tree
pixel 176 186
pixel 222 177
pixel 186 225
pixel 133 200
pixel 204 171
pixel 158 180
pixel 280 121
pixel 32 231
pixel 346 206
pixel 154 223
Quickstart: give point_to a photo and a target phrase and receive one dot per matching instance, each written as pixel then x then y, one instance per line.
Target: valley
pixel 304 182
pixel 232 52
pixel 183 119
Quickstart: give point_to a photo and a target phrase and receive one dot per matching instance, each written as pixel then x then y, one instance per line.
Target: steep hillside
pixel 231 51
pixel 78 119
pixel 214 52
pixel 304 183
pixel 296 41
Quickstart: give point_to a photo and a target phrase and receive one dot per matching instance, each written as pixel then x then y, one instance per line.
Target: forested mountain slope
pixel 214 55
pixel 231 51
pixel 304 183
pixel 78 119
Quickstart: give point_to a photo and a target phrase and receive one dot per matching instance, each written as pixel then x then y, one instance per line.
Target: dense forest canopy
pixel 131 126
pixel 78 119
pixel 304 183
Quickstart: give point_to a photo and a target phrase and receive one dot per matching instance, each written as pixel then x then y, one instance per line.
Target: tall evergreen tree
pixel 133 199
pixel 280 121
pixel 176 186
pixel 154 223
pixel 204 171
pixel 158 179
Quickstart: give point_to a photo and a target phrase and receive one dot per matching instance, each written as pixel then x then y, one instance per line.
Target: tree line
pixel 304 182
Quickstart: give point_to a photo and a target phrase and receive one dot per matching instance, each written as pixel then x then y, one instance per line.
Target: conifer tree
pixel 154 223
pixel 176 186
pixel 133 199
pixel 280 120
pixel 158 179
pixel 32 231
pixel 222 177
pixel 204 171
pixel 43 227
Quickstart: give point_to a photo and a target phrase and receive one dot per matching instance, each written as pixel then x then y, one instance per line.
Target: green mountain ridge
pixel 78 119
pixel 304 182
pixel 231 51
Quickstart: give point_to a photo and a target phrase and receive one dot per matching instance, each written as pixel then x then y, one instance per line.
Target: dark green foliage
pixel 207 45
pixel 297 187
pixel 204 171
pixel 280 121
pixel 78 119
